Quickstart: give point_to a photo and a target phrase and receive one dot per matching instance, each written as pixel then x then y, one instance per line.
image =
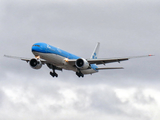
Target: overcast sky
pixel 123 27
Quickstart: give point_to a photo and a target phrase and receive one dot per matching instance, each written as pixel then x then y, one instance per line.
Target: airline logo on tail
pixel 94 56
pixel 95 52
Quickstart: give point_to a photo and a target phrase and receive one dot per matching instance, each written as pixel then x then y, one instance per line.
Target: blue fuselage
pixel 56 57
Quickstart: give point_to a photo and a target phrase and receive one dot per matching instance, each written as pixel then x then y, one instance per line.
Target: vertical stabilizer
pixel 95 52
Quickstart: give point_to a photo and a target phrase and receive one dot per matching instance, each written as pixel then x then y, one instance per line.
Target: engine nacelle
pixel 82 63
pixel 35 64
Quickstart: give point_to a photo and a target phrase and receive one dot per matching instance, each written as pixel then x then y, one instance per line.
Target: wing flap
pixel 104 61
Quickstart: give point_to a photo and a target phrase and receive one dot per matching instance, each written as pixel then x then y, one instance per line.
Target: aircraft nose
pixel 34 48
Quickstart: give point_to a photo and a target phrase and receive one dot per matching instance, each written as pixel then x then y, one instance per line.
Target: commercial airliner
pixel 57 59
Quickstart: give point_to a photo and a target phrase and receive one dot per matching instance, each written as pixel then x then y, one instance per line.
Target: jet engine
pixel 35 64
pixel 82 63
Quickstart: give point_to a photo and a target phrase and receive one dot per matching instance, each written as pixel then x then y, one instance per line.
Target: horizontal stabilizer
pixel 110 68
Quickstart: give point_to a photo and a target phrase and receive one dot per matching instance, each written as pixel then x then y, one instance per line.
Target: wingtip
pixel 5 55
pixel 151 55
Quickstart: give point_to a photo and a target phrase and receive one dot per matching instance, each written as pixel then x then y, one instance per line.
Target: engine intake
pixel 82 63
pixel 35 64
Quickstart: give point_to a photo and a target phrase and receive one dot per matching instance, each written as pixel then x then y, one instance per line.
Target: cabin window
pixel 37 45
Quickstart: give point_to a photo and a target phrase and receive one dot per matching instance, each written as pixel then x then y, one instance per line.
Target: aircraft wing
pixel 106 60
pixel 108 68
pixel 110 60
pixel 90 61
pixel 22 58
pixel 28 59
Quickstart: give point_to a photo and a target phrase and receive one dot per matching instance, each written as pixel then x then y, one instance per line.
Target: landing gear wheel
pixel 53 74
pixel 82 75
pixel 56 74
pixel 79 74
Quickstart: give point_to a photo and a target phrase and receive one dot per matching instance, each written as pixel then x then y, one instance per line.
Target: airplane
pixel 58 59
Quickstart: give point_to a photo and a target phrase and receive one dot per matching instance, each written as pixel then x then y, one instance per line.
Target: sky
pixel 124 28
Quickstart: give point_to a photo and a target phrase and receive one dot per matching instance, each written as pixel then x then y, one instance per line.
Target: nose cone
pixel 38 47
pixel 34 48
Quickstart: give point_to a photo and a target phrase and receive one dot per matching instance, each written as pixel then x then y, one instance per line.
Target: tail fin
pixel 95 52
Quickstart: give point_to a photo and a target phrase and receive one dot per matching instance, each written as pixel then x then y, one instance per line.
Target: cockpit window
pixel 37 45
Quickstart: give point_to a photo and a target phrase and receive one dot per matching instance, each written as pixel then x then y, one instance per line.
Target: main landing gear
pixel 53 74
pixel 79 74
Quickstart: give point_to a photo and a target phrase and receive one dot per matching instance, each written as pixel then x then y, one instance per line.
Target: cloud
pixel 58 100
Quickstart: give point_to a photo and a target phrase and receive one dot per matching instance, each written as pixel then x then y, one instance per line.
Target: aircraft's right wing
pixel 28 59
pixel 24 59
pixel 110 60
pixel 20 58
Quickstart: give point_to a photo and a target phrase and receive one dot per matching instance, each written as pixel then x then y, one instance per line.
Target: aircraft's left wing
pixel 110 60
pixel 105 60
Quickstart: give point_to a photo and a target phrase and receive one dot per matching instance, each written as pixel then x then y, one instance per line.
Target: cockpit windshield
pixel 37 45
